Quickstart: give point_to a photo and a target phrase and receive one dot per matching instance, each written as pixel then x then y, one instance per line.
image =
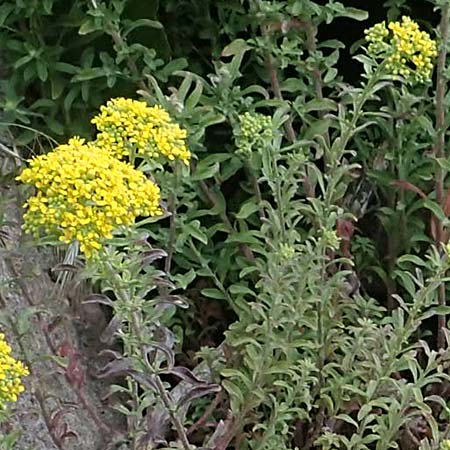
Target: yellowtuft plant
pixel 11 373
pixel 407 50
pixel 84 194
pixel 130 128
pixel 253 131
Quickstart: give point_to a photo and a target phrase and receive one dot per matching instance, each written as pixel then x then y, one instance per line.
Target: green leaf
pixel 42 70
pixel 193 229
pixel 5 10
pixel 88 26
pixel 237 47
pixel 239 289
pixel 171 67
pixel 356 14
pixel 204 171
pixel 236 396
pixel 216 157
pixel 324 104
pixel 348 419
pixel 247 209
pixel 436 311
pixel 330 75
pixel 364 411
pixel 444 163
pixel 182 281
pixel 213 293
pixel 291 85
pixel 435 209
pixel 66 68
pixel 193 99
pixel 244 237
pixel 57 86
pixel 318 128
pixel 89 73
pixel 142 23
pixel 411 259
pixel 22 61
pixel 406 281
pixel 54 125
pixel 47 4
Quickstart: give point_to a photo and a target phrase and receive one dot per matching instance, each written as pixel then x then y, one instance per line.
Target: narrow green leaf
pixel 247 209
pixel 213 293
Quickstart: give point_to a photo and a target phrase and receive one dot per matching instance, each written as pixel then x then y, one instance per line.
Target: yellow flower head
pixel 84 194
pixel 254 131
pixel 11 372
pixel 408 51
pixel 129 127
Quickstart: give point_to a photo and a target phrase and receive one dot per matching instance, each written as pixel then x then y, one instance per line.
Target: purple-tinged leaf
pixel 150 256
pixel 163 282
pixel 107 337
pixel 144 381
pixel 116 368
pixel 186 375
pixel 176 300
pixel 65 268
pixel 197 392
pixel 98 298
pixel 111 353
pixel 163 348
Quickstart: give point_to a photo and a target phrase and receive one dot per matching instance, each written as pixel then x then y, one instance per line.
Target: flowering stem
pixel 275 83
pixel 135 320
pixel 165 398
pixel 439 150
pixel 288 126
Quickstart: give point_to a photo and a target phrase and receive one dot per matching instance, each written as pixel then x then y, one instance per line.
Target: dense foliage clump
pixel 257 220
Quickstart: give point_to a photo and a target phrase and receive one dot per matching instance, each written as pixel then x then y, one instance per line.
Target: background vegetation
pixel 293 293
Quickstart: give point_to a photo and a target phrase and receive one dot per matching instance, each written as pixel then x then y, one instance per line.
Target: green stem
pixel 172 207
pixel 135 321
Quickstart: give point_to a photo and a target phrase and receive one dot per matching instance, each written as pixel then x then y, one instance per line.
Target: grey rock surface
pixel 25 285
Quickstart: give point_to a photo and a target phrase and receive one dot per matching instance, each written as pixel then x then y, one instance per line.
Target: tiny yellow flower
pixel 407 51
pixel 129 127
pixel 253 131
pixel 84 194
pixel 11 372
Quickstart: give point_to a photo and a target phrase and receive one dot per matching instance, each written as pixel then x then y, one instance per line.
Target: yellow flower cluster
pixel 408 51
pixel 11 372
pixel 131 128
pixel 254 131
pixel 83 194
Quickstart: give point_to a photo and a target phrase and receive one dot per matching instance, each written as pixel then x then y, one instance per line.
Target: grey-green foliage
pixel 307 350
pixel 310 352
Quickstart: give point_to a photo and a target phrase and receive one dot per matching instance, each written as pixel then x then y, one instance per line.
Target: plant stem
pixel 172 207
pixel 311 46
pixel 165 398
pixel 288 126
pixel 135 322
pixel 119 42
pixel 439 151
